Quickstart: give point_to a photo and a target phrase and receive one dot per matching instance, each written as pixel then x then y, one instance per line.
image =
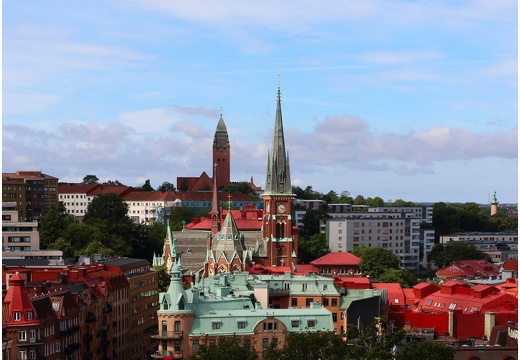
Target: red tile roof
pixel 150 196
pixel 337 258
pixel 468 269
pixel 395 292
pixel 511 264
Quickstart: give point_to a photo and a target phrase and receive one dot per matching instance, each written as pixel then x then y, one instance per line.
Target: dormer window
pixel 28 315
pixel 17 316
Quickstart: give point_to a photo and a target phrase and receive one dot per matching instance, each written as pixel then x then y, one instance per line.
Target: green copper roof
pixel 221 126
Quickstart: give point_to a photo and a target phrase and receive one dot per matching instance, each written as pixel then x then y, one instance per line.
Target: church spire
pixel 278 179
pixel 215 213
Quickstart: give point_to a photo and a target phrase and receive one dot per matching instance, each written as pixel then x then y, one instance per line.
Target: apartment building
pixel 34 193
pixel 18 235
pixel 397 232
pixel 507 237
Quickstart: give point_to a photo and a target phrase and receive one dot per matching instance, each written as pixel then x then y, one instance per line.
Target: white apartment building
pixel 18 235
pixel 399 233
pixel 481 236
pixel 425 213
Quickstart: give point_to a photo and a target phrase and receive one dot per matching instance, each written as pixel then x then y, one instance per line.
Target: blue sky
pixel 413 100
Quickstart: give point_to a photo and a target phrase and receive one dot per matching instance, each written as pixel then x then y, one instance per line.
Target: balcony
pixel 279 292
pixel 160 354
pixel 162 334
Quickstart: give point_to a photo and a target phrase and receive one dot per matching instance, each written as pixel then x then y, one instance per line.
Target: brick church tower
pixel 278 230
pixel 221 154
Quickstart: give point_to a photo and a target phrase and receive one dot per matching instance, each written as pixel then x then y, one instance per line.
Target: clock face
pixel 280 208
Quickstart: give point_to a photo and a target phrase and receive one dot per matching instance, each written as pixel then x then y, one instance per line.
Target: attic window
pixel 396 301
pixel 28 315
pixel 473 309
pixel 17 316
pixel 428 302
pixel 452 306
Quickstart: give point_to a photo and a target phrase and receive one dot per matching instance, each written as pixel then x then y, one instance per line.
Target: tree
pixel 63 245
pixel 108 207
pixel 405 278
pixel 312 222
pixel 227 348
pixel 184 185
pixel 359 200
pixel 164 278
pixel 312 248
pixel 242 187
pixel 52 226
pixel 426 350
pixel 443 255
pixel 330 198
pixel 180 215
pixel 375 261
pixel 90 180
pixel 166 186
pixel 146 186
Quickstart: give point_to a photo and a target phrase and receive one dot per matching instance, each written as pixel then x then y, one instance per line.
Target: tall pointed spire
pixel 278 179
pixel 215 213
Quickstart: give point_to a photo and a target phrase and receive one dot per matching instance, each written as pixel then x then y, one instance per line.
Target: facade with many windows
pixel 34 193
pixel 395 232
pixel 18 235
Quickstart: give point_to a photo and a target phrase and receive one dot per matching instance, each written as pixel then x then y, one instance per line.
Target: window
pixel 58 346
pixel 17 316
pixel 304 287
pixel 265 343
pixel 32 334
pixel 22 335
pixel 177 345
pixel 311 323
pixel 308 302
pixel 294 302
pixel 295 323
pixel 334 302
pixel 22 354
pixel 177 326
pixel 195 345
pixel 334 317
pixel 241 324
pixel 216 325
pixel 325 302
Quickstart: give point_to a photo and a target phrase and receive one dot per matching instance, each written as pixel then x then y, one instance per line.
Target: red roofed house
pixel 468 269
pixel 510 269
pixel 337 263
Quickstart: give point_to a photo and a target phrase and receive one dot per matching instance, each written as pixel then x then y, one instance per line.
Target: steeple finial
pixel 229 201
pixel 278 77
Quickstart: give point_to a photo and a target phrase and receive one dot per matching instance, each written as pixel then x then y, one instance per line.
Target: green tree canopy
pixel 52 226
pixel 107 206
pixel 426 350
pixel 227 348
pixel 242 187
pixel 405 278
pixel 146 186
pixel 443 255
pixel 312 221
pixel 166 186
pixel 311 248
pixel 164 278
pixel 90 179
pixel 376 261
pixel 180 214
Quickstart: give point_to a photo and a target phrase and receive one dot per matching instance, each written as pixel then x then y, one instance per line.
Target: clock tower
pixel 278 230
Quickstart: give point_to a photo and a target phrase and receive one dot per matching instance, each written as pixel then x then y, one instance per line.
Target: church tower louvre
pixel 278 229
pixel 221 154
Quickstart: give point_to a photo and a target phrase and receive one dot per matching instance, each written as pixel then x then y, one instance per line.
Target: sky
pixel 412 100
